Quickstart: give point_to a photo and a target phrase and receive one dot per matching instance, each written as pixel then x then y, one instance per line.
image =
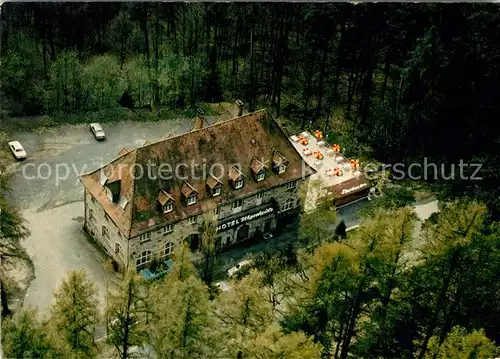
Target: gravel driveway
pixel 51 198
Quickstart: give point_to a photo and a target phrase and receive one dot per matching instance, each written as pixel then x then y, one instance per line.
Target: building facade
pixel 243 175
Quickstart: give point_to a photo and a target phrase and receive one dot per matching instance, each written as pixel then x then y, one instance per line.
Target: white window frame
pixel 109 194
pixel 144 258
pixel 261 176
pixel 281 169
pixel 169 207
pixel 191 199
pixel 238 184
pixel 168 249
pixel 169 228
pixel 290 185
pixel 192 219
pixel 260 195
pixel 288 204
pixel 217 210
pixel 217 191
pixel 143 238
pixel 234 205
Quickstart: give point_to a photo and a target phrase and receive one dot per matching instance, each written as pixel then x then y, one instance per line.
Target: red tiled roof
pixel 233 142
pixel 164 197
pixel 187 189
pixel 212 182
pixel 235 174
pixel 257 165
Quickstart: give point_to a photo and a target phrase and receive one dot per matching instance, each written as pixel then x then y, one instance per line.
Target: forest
pixel 399 82
pixel 382 291
pixel 396 82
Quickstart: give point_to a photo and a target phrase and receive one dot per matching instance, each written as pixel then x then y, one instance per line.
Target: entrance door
pixel 242 232
pixel 267 226
pixel 194 241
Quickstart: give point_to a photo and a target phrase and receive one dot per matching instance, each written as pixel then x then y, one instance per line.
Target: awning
pixel 349 187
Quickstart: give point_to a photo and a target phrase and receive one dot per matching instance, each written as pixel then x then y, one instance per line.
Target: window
pixel 168 248
pixel 169 207
pixel 237 204
pixel 191 199
pixel 107 217
pixel 287 205
pixel 238 184
pixel 168 228
pixel 93 199
pixel 281 169
pixel 109 194
pixel 105 232
pixel 144 258
pixel 123 202
pixel 91 216
pixel 261 176
pixel 290 185
pixel 217 210
pixel 145 237
pixel 192 220
pixel 260 195
pixel 216 191
pixel 118 248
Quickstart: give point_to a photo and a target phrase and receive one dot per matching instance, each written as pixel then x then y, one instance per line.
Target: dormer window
pixel 113 191
pixel 236 177
pixel 169 207
pixel 279 163
pixel 214 186
pixel 166 202
pixel 189 194
pixel 191 199
pixel 258 169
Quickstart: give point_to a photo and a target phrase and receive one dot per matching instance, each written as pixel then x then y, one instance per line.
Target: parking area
pixel 47 190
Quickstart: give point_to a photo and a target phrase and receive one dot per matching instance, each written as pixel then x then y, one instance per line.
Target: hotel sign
pixel 352 189
pixel 224 226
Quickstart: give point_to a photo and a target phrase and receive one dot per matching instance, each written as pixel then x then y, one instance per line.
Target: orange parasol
pixel 336 148
pixel 318 155
pixel 318 134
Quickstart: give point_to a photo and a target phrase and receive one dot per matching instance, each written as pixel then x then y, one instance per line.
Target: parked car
pixel 223 286
pixel 244 264
pixel 17 150
pixel 97 131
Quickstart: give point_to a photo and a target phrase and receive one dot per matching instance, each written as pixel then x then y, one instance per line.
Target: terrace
pixel 332 168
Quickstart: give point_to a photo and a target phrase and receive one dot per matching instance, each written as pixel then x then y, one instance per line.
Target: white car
pixel 244 264
pixel 223 286
pixel 17 150
pixel 97 131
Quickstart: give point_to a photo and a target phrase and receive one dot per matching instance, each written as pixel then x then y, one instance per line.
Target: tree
pixel 75 314
pixel 243 313
pixel 183 322
pixel 316 226
pixel 462 345
pixel 274 344
pixel 13 230
pixel 458 225
pixel 25 337
pixel 208 233
pixel 126 315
